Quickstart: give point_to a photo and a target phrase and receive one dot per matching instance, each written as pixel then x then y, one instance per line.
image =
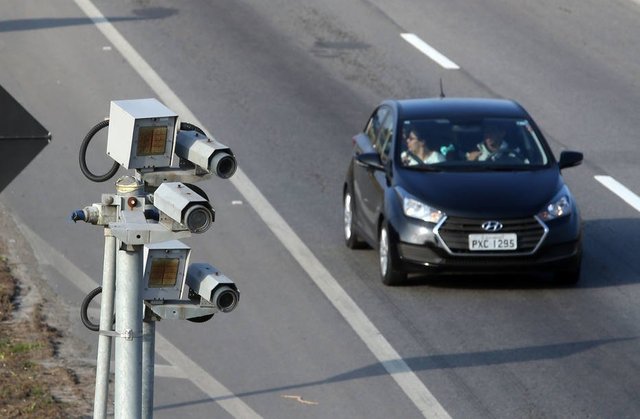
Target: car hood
pixel 511 194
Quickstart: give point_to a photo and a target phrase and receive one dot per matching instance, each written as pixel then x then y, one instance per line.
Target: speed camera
pixel 182 208
pixel 165 268
pixel 206 153
pixel 141 133
pixel 212 285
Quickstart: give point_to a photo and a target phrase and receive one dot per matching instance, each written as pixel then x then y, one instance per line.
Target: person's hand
pixel 473 155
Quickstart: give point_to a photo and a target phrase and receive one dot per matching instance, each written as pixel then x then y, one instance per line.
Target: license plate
pixel 480 242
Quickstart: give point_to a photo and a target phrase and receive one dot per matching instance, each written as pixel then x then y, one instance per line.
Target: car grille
pixel 454 234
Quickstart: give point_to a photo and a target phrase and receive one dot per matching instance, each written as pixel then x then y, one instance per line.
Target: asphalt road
pixel 286 84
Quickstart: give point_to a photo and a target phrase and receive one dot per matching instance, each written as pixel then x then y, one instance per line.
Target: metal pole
pixel 148 362
pixel 106 320
pixel 128 372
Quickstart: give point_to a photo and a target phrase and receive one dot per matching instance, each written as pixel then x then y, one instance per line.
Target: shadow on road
pixel 436 362
pixel 50 23
pixel 609 259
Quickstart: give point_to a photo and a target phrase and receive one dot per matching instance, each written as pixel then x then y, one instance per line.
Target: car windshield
pixel 478 144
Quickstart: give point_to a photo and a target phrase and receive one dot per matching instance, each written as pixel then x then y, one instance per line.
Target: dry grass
pixel 33 381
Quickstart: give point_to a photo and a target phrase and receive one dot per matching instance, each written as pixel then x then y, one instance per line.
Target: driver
pixel 493 147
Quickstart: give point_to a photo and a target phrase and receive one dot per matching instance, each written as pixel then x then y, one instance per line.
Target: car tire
pixel 388 259
pixel 351 238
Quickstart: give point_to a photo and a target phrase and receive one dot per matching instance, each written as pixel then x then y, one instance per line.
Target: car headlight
pixel 416 209
pixel 560 206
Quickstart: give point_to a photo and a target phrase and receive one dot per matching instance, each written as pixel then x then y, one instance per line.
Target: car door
pixel 369 183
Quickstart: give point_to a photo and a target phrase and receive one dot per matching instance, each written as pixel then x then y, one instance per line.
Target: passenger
pixel 418 151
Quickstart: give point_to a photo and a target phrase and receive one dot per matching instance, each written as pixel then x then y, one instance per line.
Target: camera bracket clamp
pixel 127 334
pixel 180 309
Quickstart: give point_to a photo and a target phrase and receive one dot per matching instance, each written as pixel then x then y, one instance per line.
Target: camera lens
pixel 224 165
pixel 198 219
pixel 226 299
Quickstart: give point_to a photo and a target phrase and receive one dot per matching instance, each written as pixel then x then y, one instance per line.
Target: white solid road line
pixel 620 190
pixel 408 381
pixel 429 51
pixel 357 319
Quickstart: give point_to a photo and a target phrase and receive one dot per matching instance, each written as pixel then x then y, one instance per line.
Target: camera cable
pixel 83 155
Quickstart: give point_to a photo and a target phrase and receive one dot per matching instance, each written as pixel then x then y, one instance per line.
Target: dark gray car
pixel 461 186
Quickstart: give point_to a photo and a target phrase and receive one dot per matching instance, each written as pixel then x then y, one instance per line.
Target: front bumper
pixel 418 258
pixel 554 246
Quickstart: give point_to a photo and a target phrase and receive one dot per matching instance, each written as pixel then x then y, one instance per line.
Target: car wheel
pixel 388 257
pixel 351 239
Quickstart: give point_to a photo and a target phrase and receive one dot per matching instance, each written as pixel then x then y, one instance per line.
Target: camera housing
pixel 141 133
pixel 212 285
pixel 165 266
pixel 182 208
pixel 207 154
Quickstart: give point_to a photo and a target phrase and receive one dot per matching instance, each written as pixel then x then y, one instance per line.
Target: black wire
pixel 84 308
pixel 83 156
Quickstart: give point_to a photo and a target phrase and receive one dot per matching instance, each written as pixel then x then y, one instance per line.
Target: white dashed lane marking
pixel 619 189
pixel 429 51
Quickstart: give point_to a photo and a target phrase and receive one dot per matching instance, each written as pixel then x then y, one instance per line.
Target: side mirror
pixel 370 160
pixel 570 159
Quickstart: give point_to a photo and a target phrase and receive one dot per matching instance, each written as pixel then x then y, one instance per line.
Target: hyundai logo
pixel 492 226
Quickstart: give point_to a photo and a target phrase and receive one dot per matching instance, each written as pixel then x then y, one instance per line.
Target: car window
pixel 384 140
pixel 481 143
pixel 374 125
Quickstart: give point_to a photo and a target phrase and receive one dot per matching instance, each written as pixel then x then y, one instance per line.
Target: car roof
pixel 457 107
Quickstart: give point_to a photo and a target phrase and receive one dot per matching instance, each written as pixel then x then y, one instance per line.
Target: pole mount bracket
pixel 127 334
